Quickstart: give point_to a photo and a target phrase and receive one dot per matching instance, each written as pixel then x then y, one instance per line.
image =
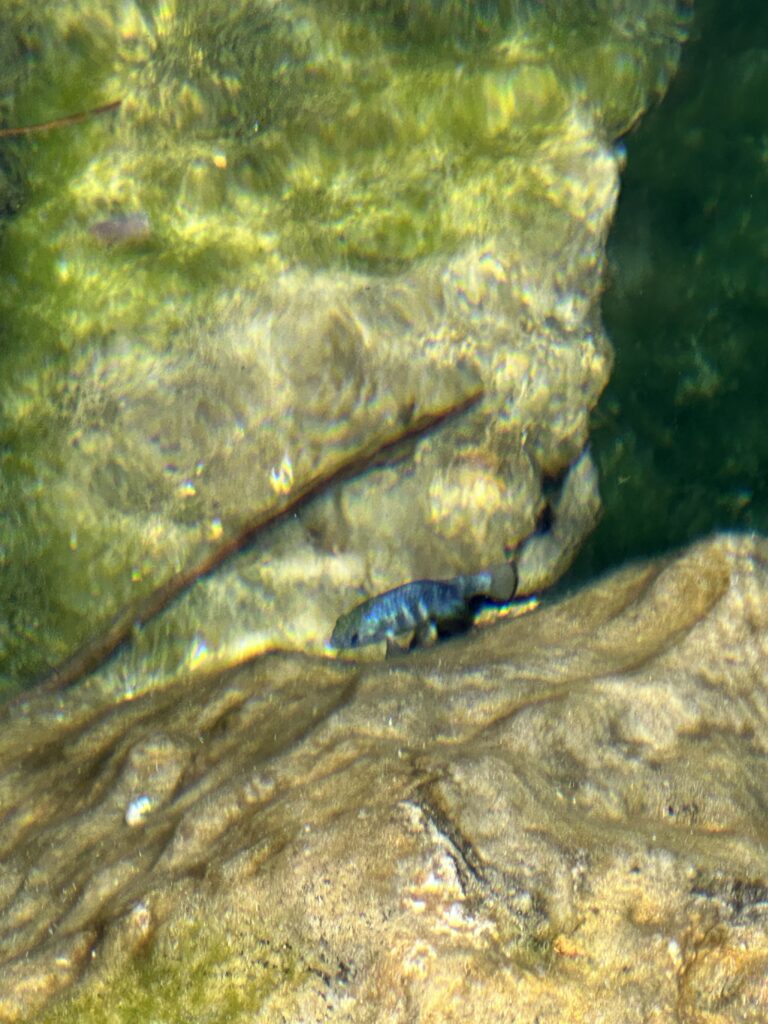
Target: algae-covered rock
pixel 560 817
pixel 351 216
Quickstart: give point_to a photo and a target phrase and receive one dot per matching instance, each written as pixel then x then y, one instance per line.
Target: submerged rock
pixel 559 817
pixel 360 213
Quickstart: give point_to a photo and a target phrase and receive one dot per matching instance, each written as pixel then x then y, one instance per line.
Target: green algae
pixel 256 138
pixel 200 971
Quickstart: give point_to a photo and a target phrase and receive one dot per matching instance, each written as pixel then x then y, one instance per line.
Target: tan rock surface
pixel 558 818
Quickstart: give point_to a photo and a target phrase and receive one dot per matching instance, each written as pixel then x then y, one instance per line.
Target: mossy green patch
pixel 194 972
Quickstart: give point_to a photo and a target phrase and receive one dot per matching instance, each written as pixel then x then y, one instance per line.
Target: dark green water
pixel 680 433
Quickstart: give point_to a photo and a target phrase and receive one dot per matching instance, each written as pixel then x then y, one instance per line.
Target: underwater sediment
pixel 559 817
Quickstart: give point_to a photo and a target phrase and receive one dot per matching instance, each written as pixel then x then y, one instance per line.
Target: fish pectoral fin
pixel 425 635
pixel 396 648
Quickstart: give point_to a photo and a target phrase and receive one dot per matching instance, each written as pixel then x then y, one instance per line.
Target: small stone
pixel 138 811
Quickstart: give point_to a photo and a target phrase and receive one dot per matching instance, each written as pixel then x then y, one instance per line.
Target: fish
pixel 428 608
pixel 122 228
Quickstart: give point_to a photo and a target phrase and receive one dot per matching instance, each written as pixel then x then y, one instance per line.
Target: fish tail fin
pixel 497 584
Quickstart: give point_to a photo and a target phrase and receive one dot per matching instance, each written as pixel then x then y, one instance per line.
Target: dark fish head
pixel 346 632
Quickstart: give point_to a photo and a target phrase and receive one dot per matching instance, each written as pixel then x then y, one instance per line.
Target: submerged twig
pixel 95 652
pixel 59 122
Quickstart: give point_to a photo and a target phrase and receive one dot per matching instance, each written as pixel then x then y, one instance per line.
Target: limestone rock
pixel 557 817
pixel 355 213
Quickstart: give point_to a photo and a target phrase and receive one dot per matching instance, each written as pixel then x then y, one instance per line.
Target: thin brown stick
pixel 59 122
pixel 95 652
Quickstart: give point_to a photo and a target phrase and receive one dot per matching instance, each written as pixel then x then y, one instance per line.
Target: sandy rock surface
pixel 559 817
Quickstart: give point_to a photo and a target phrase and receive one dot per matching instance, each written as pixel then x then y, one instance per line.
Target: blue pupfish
pixel 428 607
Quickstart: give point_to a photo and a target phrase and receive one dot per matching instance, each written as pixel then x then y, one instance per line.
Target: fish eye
pixel 355 639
